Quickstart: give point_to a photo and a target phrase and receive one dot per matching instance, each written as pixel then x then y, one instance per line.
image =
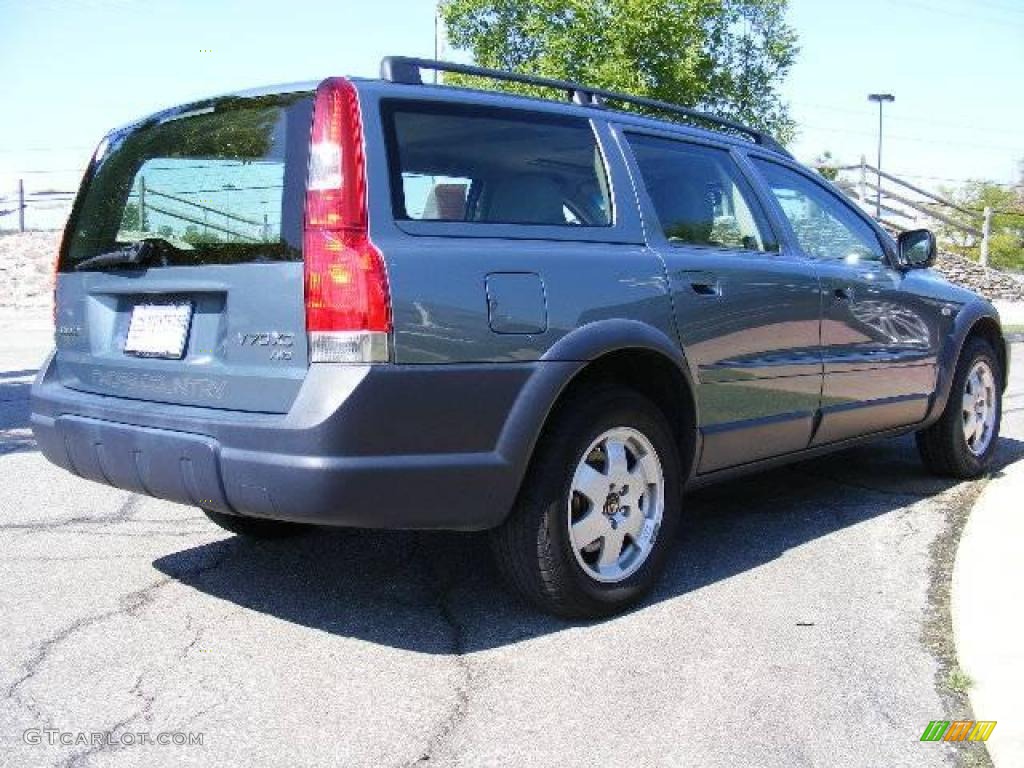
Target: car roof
pixel 409 70
pixel 438 91
pixel 431 91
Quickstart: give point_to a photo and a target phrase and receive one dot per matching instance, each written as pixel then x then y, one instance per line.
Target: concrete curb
pixel 988 624
pixel 1010 312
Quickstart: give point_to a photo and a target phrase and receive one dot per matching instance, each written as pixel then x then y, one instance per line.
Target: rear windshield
pixel 219 182
pixel 466 163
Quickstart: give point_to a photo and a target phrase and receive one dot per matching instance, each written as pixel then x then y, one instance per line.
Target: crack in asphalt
pixel 78 758
pixel 143 535
pixel 904 518
pixel 447 726
pixel 205 710
pixel 196 634
pixel 130 605
pixel 123 514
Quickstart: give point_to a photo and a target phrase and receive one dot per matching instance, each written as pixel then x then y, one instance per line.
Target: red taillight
pixel 346 285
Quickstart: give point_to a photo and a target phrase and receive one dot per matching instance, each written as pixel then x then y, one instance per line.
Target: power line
pixel 852 131
pixel 45 149
pixel 1003 21
pixel 947 178
pixel 985 5
pixel 224 164
pixel 998 7
pixel 960 180
pixel 907 119
pixel 52 171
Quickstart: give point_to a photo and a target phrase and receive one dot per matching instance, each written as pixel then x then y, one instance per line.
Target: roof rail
pixel 406 69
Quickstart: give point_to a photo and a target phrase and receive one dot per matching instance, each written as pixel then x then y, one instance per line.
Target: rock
pixel 990 283
pixel 26 268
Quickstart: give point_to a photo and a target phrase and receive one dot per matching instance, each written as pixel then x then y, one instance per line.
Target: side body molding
pixel 590 341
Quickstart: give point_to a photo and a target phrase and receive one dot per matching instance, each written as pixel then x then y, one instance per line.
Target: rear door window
pixel 462 163
pixel 216 183
pixel 699 195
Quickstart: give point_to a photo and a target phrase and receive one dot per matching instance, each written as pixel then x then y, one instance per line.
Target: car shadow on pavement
pixel 439 592
pixel 15 436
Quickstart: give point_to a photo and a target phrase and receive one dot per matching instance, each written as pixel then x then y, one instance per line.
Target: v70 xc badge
pixel 282 343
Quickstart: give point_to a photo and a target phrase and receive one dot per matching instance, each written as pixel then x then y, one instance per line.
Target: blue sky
pixel 72 69
pixel 955 67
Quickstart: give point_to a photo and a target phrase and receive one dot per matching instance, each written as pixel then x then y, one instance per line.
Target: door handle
pixel 842 294
pixel 705 288
pixel 700 282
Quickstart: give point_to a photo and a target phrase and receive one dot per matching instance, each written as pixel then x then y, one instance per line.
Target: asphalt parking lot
pixel 801 623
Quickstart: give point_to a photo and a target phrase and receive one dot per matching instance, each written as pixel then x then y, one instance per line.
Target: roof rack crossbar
pixel 406 69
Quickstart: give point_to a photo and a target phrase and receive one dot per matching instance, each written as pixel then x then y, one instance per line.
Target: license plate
pixel 158 330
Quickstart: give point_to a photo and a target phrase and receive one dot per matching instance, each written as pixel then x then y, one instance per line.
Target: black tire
pixel 942 446
pixel 532 547
pixel 255 527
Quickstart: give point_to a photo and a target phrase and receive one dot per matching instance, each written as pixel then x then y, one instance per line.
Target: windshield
pixel 220 182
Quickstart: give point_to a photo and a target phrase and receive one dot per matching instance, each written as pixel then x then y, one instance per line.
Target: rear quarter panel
pixel 438 272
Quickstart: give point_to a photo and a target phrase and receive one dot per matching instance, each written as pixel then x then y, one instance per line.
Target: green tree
pixel 1006 243
pixel 724 56
pixel 825 164
pixel 130 218
pixel 195 236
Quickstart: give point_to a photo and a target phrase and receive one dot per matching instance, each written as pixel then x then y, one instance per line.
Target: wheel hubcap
pixel 979 408
pixel 616 504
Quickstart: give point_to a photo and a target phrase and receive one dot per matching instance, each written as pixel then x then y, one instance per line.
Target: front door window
pixel 824 226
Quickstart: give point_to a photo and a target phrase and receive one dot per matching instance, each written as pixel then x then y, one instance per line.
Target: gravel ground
pixel 799 624
pixel 26 270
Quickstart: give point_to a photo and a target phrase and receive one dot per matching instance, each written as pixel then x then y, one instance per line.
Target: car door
pixel 747 314
pixel 879 341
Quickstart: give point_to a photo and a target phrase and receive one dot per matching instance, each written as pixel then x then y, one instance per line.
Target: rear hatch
pixel 180 279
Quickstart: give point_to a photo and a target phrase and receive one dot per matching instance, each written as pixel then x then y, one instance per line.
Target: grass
pixel 951 683
pixel 958 680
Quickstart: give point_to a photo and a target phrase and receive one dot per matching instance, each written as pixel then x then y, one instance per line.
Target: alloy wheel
pixel 979 408
pixel 616 504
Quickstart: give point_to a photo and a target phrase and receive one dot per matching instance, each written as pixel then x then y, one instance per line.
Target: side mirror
pixel 916 249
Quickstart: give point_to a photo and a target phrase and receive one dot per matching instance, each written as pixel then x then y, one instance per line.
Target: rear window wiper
pixel 135 255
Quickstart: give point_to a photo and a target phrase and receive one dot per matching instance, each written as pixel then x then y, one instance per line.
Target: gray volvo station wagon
pixel 389 304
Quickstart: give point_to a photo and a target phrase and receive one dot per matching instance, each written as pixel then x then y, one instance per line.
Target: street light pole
pixel 881 98
pixel 437 12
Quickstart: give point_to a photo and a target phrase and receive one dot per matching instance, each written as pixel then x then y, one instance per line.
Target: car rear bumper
pixel 386 446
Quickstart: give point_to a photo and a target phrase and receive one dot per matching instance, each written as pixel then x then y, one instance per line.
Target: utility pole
pixel 21 205
pixel 881 98
pixel 862 186
pixel 986 233
pixel 142 203
pixel 437 45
